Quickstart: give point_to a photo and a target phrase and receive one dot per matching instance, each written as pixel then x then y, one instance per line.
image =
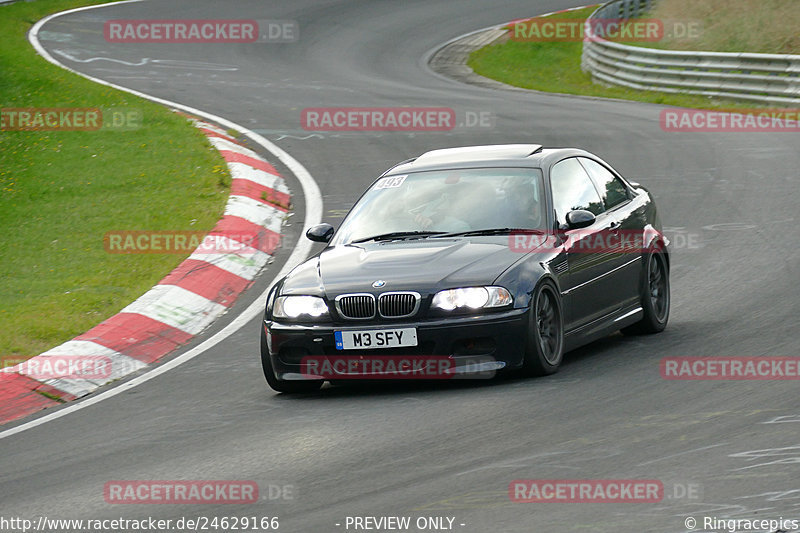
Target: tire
pixel 544 348
pixel 655 297
pixel 279 385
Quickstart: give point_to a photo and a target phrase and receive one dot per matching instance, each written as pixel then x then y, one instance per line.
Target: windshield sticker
pixel 390 182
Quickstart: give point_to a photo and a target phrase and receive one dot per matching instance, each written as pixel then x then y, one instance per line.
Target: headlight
pixel 300 307
pixel 471 298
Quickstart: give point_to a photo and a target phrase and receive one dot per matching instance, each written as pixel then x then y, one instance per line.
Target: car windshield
pixel 424 204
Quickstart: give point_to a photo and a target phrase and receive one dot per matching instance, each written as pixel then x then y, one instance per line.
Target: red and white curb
pixel 200 290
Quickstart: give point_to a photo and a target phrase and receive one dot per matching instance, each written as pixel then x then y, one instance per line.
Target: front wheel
pixel 279 385
pixel 545 344
pixel 655 297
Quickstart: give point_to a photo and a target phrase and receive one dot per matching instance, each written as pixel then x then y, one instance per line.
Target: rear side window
pixel 611 187
pixel 572 189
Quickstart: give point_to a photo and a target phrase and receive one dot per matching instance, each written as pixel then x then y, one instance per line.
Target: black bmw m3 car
pixel 484 258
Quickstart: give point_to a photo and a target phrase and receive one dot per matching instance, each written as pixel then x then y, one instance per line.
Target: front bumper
pixel 496 340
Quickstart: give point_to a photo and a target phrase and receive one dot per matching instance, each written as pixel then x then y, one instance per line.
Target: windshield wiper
pixel 491 231
pixel 398 235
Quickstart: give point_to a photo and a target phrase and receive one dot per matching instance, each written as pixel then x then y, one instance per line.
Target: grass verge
pixel 556 67
pixel 61 191
pixel 758 26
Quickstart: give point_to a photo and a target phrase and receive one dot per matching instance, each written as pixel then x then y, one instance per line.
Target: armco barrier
pixel 766 78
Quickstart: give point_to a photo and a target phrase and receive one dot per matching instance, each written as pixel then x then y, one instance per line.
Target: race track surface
pixel 451 450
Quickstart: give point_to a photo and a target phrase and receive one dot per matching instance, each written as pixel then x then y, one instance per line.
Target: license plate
pixel 375 338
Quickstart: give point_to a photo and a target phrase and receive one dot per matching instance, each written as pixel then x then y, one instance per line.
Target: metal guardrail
pixel 766 78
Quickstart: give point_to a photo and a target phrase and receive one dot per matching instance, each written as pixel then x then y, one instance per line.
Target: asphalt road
pixel 416 450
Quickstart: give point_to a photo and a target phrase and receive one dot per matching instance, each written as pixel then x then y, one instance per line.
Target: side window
pixel 572 189
pixel 613 190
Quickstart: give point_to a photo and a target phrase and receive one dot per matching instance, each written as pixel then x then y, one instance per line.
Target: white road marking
pixel 682 453
pixel 170 63
pixel 785 419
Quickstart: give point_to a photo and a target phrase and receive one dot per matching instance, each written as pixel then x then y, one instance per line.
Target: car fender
pixel 524 276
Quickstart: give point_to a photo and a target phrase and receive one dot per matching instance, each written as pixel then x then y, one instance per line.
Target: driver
pixel 523 206
pixel 438 214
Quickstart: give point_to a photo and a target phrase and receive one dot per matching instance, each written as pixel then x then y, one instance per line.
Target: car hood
pixel 422 265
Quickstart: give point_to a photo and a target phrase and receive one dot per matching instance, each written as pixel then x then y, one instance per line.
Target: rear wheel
pixel 545 344
pixel 655 297
pixel 290 387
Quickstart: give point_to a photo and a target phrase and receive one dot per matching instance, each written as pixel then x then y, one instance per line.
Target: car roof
pixel 494 155
pixel 471 153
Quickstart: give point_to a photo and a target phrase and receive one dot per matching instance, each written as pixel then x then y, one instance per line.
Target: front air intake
pixel 398 304
pixel 356 306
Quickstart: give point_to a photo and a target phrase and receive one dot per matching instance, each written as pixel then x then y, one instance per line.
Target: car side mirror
pixel 580 218
pixel 320 233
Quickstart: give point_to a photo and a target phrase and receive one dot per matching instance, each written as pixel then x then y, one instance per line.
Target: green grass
pixel 556 67
pixel 61 191
pixel 759 26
